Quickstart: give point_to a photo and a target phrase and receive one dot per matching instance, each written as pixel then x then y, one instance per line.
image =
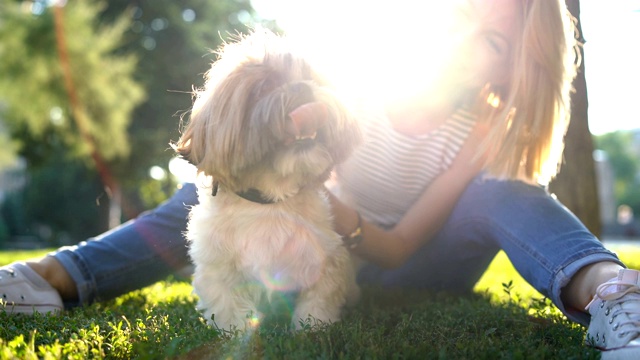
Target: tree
pixel 575 185
pixel 174 42
pixel 32 83
pixel 117 52
pixel 68 97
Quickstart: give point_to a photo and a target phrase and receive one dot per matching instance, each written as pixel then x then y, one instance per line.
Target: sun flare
pixel 370 51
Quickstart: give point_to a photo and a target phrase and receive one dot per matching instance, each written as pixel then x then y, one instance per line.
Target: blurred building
pixel 12 169
pixel 12 178
pixel 606 195
pixel 618 220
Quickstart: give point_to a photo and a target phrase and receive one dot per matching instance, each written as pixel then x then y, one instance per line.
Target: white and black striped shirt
pixel 390 170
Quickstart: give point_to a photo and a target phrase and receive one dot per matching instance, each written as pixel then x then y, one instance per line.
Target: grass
pixel 504 319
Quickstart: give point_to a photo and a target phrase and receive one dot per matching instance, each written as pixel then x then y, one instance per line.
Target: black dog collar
pixel 254 195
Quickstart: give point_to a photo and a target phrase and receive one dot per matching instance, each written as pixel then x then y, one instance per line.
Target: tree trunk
pixel 576 184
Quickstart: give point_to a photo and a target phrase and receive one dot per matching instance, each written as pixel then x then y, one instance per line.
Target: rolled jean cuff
pixel 566 274
pixel 77 270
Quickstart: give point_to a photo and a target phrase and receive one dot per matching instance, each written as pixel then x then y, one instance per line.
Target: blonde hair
pixel 532 119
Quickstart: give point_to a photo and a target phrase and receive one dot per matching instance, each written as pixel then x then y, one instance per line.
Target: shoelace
pixel 616 298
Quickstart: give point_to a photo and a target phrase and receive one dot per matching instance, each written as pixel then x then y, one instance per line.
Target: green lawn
pixel 506 319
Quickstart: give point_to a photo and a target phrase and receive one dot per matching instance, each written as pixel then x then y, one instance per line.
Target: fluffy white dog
pixel 265 133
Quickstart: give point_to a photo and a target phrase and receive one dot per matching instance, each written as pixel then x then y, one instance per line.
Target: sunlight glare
pixel 493 99
pixel 369 50
pixel 182 170
pixel 277 282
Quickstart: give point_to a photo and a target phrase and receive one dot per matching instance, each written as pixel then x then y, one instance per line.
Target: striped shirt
pixel 390 170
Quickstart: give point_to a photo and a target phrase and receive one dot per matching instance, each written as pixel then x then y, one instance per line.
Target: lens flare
pixel 254 321
pixel 277 282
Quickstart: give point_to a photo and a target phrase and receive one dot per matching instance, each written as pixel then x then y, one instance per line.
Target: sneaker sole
pixel 31 308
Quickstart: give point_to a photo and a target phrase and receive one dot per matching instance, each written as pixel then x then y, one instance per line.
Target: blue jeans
pixel 133 255
pixel 545 242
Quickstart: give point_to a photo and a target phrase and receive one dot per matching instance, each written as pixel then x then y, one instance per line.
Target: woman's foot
pixel 52 271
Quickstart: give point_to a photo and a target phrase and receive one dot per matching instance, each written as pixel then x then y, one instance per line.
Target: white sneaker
pixel 615 317
pixel 23 291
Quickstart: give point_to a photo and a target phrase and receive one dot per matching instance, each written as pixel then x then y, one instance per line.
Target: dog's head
pixel 266 121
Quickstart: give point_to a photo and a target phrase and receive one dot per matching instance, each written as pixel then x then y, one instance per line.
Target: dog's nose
pixel 306 120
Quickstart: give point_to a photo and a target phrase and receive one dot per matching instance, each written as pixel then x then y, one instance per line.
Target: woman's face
pixel 477 49
pixel 487 45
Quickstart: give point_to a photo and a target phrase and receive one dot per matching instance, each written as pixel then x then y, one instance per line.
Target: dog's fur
pixel 242 137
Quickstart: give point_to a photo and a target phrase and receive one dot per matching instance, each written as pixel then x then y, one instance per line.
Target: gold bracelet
pixel 355 238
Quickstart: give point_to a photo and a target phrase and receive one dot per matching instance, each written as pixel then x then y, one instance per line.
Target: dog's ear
pixel 184 152
pixel 183 146
pixel 214 139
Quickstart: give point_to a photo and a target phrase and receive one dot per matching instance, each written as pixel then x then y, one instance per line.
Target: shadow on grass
pixel 416 325
pixel 386 324
pixel 160 321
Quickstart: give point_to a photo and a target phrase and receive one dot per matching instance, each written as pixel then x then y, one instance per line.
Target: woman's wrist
pixel 355 237
pixel 345 218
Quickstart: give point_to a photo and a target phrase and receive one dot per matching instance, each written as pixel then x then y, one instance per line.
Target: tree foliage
pixel 133 65
pixel 174 42
pixel 66 93
pixel 32 83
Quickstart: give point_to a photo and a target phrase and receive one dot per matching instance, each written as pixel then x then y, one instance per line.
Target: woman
pixel 416 204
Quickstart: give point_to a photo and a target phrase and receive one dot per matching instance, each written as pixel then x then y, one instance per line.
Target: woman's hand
pixel 424 219
pixel 474 153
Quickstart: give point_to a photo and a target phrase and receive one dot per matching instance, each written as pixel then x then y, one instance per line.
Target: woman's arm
pixel 423 220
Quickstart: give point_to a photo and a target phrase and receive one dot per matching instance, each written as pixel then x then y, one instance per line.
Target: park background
pixel 91 94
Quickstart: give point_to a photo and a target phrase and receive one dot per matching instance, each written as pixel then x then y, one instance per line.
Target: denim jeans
pixel 545 242
pixel 135 254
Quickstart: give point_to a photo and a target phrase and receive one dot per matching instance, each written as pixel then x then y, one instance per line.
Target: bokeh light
pixel 157 173
pixel 182 170
pixel 188 15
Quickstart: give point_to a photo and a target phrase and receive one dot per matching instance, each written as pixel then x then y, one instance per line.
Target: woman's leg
pixel 545 242
pixel 131 256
